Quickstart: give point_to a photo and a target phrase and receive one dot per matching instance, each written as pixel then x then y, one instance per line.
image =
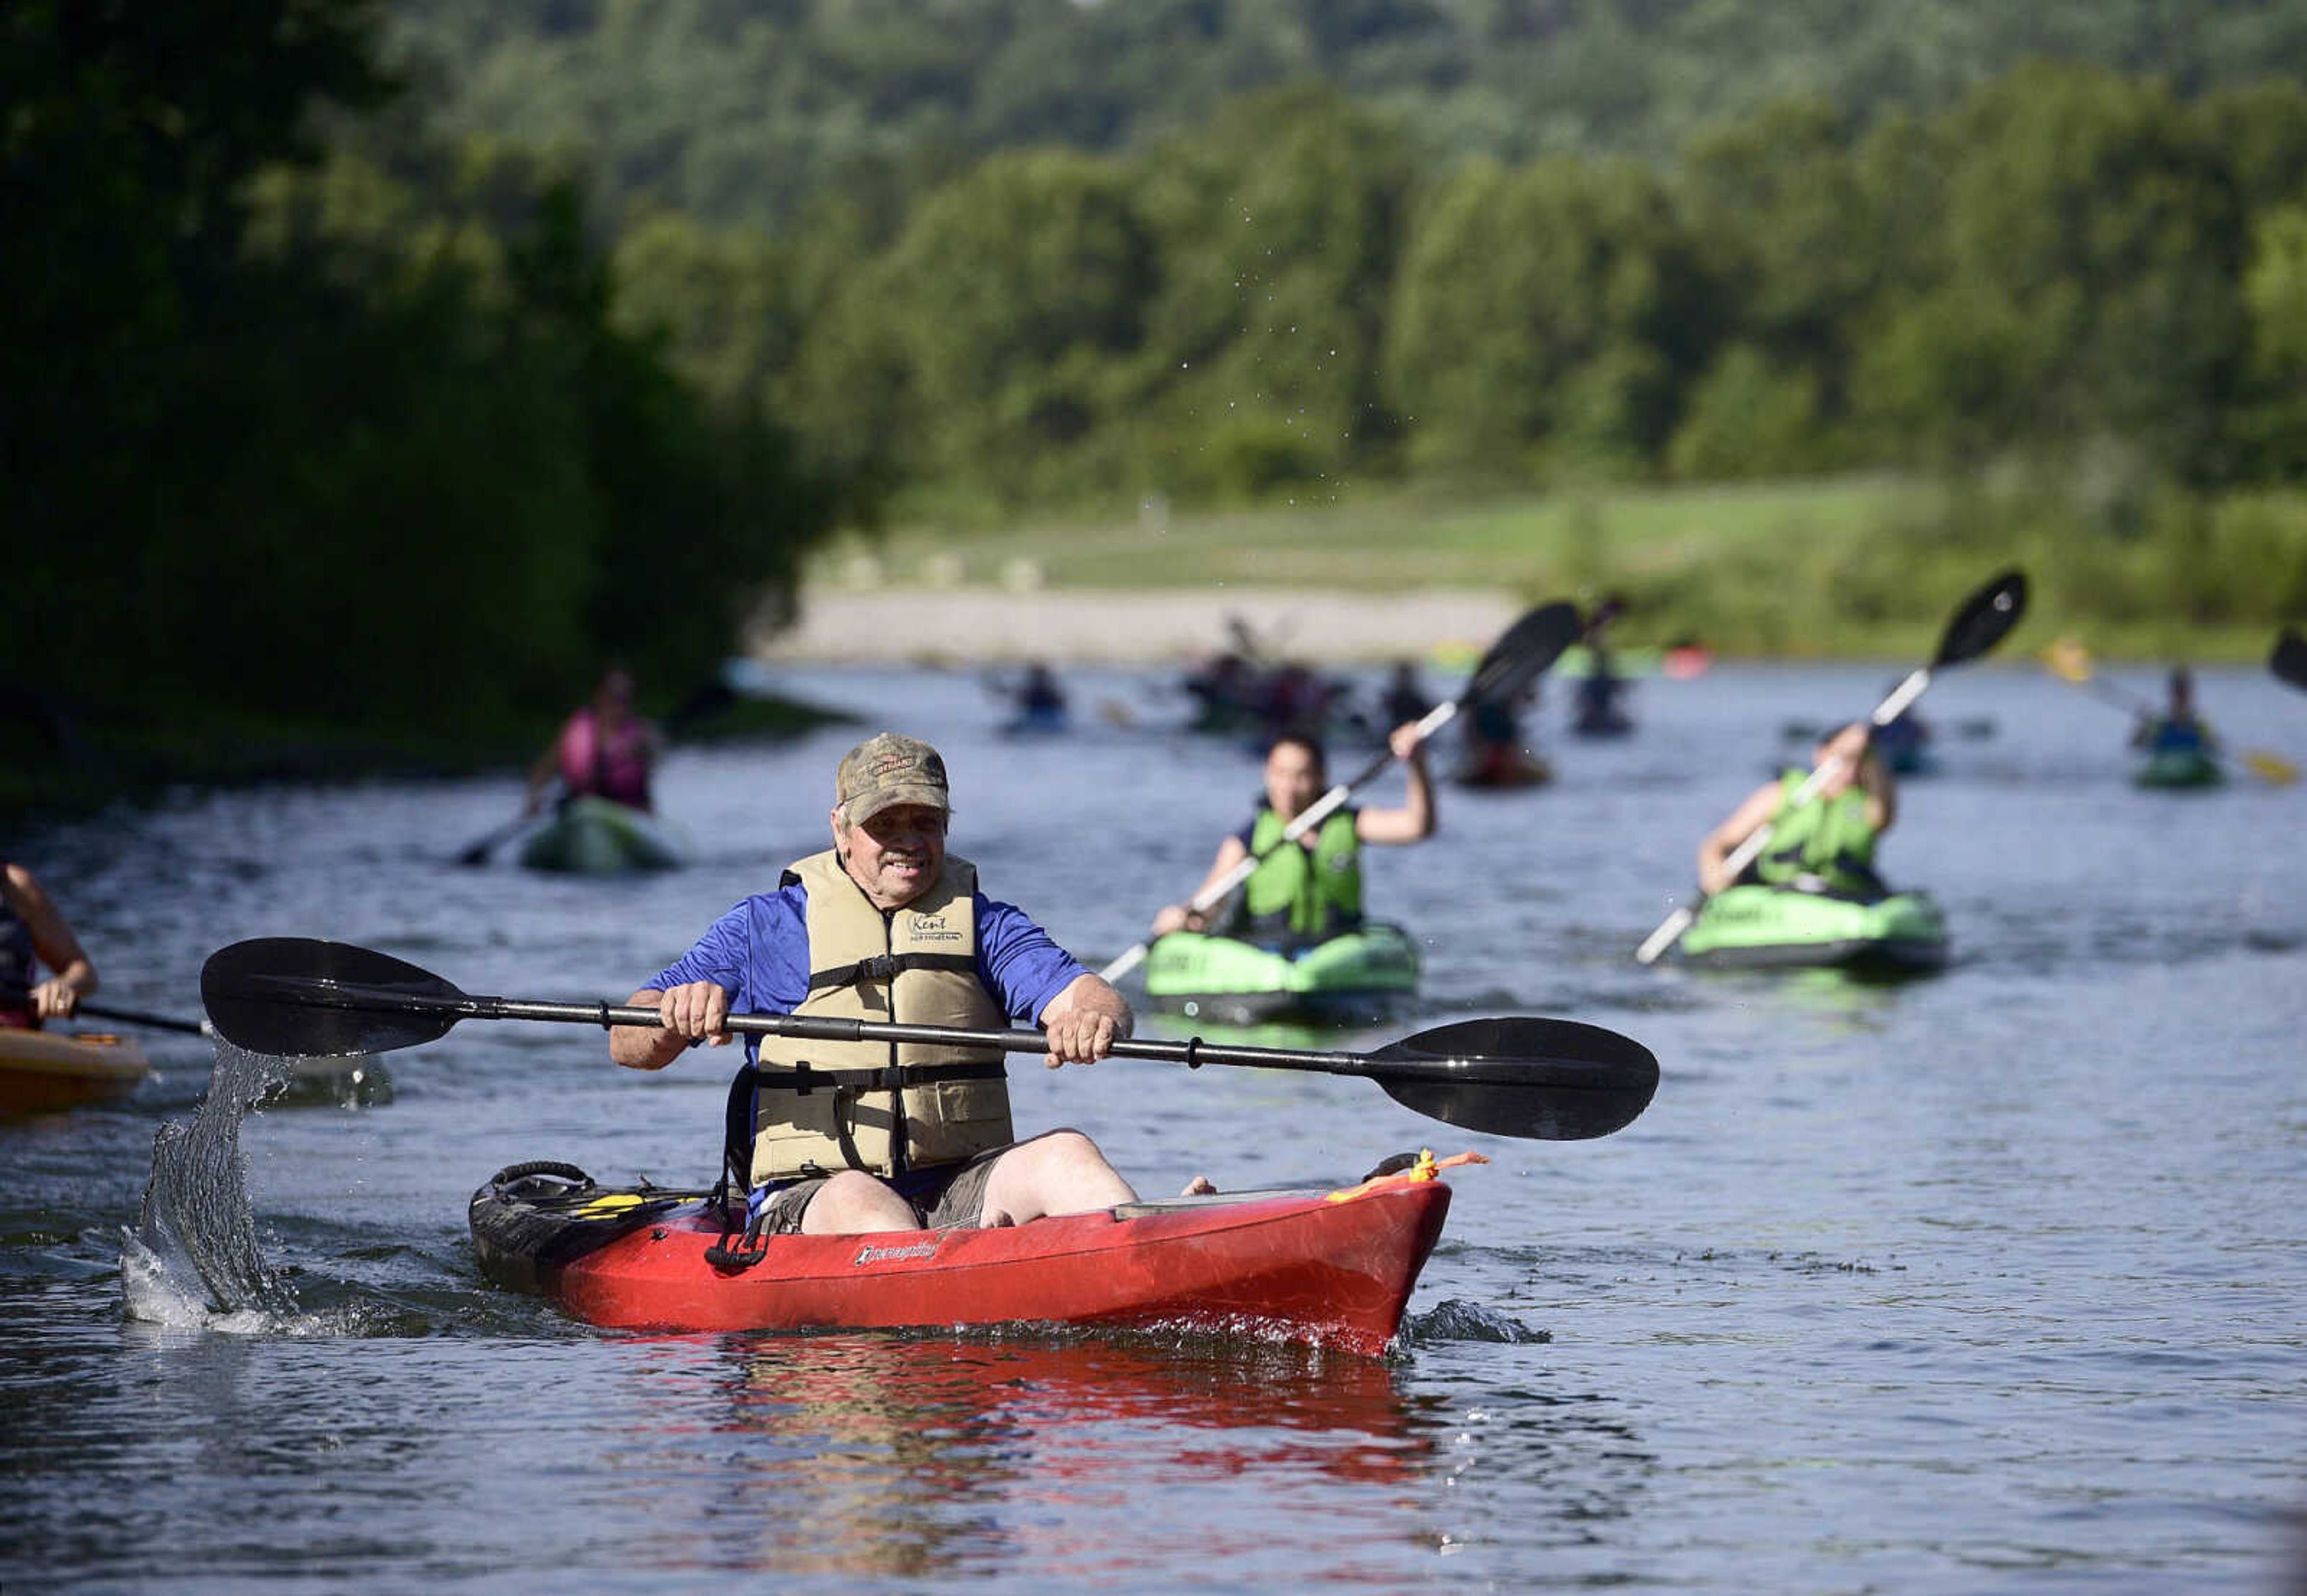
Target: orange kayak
pixel 44 1071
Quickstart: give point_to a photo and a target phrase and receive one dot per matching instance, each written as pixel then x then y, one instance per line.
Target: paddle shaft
pixel 819 1028
pixel 477 850
pixel 1305 819
pixel 128 1016
pixel 1667 935
pixel 2109 693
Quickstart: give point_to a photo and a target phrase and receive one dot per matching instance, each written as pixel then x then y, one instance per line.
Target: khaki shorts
pixel 947 1198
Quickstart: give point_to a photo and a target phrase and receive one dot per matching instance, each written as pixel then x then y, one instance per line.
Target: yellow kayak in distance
pixel 44 1072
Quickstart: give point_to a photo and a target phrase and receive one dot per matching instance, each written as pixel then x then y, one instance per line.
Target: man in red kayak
pixel 604 751
pixel 33 931
pixel 887 925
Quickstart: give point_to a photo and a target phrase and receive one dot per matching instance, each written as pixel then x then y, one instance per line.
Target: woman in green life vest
pixel 1312 888
pixel 1826 844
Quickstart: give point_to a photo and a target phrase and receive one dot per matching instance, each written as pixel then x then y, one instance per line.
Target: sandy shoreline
pixel 1129 626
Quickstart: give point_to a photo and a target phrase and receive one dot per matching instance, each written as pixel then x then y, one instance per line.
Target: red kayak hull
pixel 1292 1266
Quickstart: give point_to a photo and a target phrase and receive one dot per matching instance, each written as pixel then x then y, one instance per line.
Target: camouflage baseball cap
pixel 887 770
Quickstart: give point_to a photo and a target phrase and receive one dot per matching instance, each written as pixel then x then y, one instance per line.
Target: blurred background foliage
pixel 318 423
pixel 393 367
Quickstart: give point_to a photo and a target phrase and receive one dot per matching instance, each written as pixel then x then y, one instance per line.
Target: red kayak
pixel 1330 1268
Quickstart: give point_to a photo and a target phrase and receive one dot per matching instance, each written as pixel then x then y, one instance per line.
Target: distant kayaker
pixel 2178 729
pixel 887 925
pixel 33 931
pixel 604 751
pixel 1404 696
pixel 1904 743
pixel 1596 710
pixel 1825 844
pixel 1312 888
pixel 1496 753
pixel 1039 700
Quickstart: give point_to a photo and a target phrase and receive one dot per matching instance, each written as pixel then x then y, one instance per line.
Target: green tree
pixel 1277 230
pixel 1547 319
pixel 2094 246
pixel 1009 298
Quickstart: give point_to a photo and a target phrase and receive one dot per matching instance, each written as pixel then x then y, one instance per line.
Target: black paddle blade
pixel 2289 660
pixel 1985 620
pixel 294 998
pixel 1529 646
pixel 1548 1080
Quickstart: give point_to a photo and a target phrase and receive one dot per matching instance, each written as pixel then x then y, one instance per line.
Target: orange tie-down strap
pixel 1427 1168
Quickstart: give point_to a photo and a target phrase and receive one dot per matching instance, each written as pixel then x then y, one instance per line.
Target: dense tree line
pixel 745 110
pixel 313 417
pixel 2066 259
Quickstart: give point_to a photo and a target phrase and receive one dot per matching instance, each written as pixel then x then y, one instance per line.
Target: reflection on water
pixel 356 1082
pixel 918 1457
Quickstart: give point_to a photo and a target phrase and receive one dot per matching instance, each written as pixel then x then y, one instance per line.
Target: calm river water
pixel 1989 1282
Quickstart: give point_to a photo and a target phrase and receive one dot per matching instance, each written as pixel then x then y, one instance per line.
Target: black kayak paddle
pixel 1546 1079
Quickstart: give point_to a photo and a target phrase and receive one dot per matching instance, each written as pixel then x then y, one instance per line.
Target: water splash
pixel 1456 1319
pixel 193 1259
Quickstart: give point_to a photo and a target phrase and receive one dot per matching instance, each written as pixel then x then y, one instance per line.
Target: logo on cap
pixel 887 770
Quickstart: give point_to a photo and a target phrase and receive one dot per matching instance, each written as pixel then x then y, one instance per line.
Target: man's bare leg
pixel 1062 1173
pixel 852 1202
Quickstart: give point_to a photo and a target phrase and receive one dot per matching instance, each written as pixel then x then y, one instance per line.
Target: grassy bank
pixel 1855 567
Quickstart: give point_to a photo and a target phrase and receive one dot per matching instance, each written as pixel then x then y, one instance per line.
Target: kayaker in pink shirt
pixel 604 751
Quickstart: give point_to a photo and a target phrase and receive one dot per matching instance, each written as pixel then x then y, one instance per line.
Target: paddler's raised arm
pixel 1184 916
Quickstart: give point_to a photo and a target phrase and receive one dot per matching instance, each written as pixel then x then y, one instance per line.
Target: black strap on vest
pixel 885 966
pixel 737 1127
pixel 737 1180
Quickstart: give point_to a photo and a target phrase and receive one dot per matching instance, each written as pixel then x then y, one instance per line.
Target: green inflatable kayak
pixel 592 836
pixel 2179 768
pixel 1753 926
pixel 1346 977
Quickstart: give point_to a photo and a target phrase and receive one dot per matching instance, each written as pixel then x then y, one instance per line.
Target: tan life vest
pixel 823 1106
